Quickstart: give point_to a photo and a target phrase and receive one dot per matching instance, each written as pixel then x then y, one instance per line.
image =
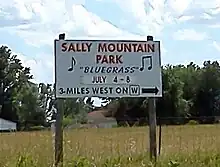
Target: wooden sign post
pixel 152 122
pixel 59 127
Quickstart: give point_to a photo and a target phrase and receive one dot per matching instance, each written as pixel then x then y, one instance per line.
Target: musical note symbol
pixel 73 63
pixel 143 63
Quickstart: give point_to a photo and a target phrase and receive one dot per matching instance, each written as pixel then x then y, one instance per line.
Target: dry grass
pixel 189 145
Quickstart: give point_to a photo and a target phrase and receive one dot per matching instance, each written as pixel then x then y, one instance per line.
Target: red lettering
pixel 71 48
pixel 76 47
pixel 126 47
pixel 109 59
pixel 98 58
pixel 64 46
pixel 104 59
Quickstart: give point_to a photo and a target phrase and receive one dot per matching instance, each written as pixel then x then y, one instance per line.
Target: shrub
pixel 193 122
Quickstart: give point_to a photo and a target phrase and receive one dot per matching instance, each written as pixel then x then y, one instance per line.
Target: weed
pixel 182 146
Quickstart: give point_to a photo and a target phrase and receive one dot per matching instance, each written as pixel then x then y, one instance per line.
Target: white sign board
pixel 107 68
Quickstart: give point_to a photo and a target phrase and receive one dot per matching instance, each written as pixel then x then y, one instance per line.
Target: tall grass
pixel 185 146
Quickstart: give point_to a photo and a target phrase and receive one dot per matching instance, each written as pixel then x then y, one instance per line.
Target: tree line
pixel 189 92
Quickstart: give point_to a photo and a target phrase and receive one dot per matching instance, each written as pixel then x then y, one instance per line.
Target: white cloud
pixel 38 22
pixel 215 26
pixel 152 16
pixel 180 6
pixel 46 19
pixel 41 65
pixel 82 23
pixel 189 34
pixel 41 68
pixel 146 15
pixel 216 45
pixel 51 18
pixel 185 18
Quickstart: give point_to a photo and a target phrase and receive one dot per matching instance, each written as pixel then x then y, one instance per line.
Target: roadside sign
pixel 107 68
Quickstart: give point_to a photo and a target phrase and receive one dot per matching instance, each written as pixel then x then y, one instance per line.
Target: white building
pixel 6 125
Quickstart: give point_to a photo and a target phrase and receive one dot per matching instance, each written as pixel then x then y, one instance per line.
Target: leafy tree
pixel 208 90
pixel 28 107
pixel 188 91
pixel 76 109
pixel 12 76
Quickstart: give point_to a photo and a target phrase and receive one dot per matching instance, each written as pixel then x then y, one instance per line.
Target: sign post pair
pixel 109 68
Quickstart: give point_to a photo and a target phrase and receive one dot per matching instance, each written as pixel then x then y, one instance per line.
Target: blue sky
pixel 188 29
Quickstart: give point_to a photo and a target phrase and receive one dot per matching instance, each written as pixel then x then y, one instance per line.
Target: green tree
pixel 208 90
pixel 188 91
pixel 76 109
pixel 27 103
pixel 12 76
pixel 172 104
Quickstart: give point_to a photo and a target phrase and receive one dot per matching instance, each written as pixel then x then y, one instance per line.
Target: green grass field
pixel 184 146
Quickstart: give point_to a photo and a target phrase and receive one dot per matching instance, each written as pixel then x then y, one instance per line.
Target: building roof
pixel 99 116
pixel 1 119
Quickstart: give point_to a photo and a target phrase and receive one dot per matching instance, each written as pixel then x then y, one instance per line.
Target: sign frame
pixel 147 91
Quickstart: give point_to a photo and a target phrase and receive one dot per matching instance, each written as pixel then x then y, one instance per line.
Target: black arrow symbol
pixel 150 90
